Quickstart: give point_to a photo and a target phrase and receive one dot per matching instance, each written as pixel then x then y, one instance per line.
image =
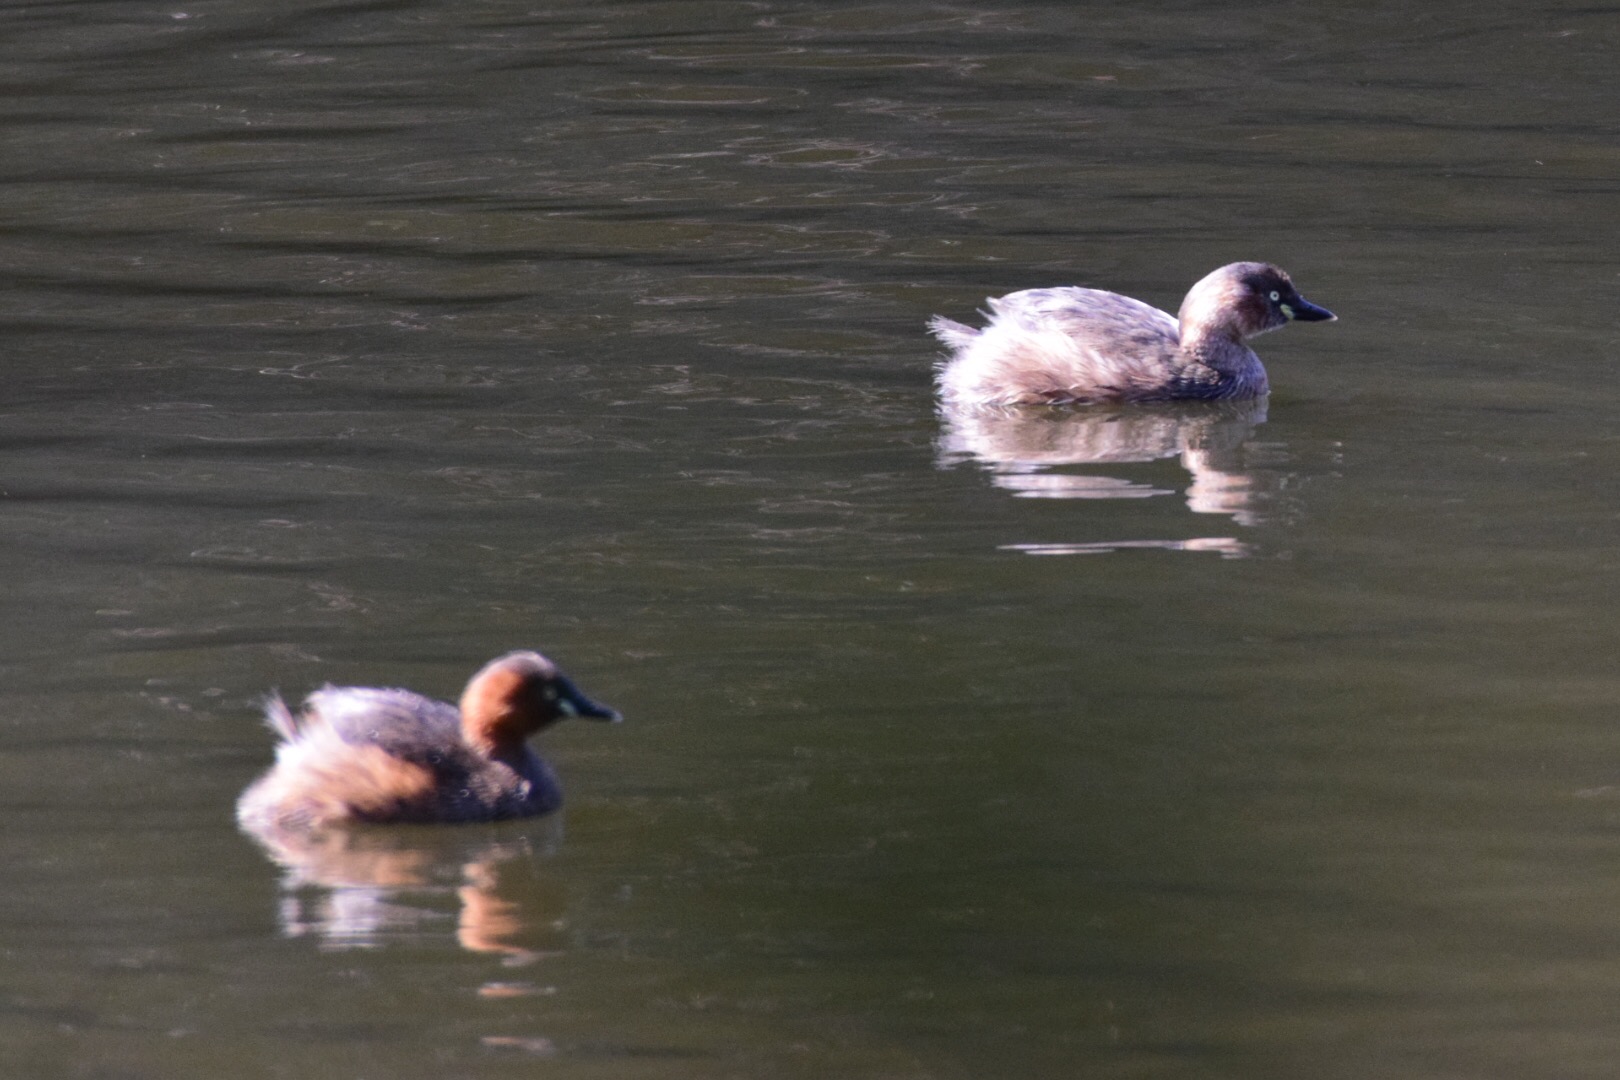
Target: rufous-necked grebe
pixel 1072 346
pixel 363 754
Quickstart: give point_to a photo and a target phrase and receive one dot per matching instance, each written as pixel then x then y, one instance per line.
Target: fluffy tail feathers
pixel 280 719
pixel 955 335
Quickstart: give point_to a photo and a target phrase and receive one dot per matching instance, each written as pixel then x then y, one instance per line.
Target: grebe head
pixel 1243 299
pixel 516 695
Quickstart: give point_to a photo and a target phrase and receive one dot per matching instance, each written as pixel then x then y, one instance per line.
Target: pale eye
pixel 1275 296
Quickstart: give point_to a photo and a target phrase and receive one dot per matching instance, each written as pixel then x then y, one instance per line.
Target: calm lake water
pixel 363 342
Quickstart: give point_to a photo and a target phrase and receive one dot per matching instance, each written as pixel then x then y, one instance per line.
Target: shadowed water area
pixel 364 342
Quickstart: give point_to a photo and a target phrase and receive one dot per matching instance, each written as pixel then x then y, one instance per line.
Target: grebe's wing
pixel 1095 317
pixel 403 723
pixel 1070 345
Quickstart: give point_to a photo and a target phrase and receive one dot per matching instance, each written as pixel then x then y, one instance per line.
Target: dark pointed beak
pixel 571 701
pixel 1302 310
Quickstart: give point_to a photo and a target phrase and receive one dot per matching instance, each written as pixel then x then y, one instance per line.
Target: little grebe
pixel 1070 345
pixel 363 754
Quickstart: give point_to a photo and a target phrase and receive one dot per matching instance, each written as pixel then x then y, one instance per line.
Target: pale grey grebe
pixel 1071 345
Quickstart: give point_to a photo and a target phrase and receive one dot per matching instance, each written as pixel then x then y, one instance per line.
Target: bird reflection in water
pixel 363 887
pixel 1030 451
